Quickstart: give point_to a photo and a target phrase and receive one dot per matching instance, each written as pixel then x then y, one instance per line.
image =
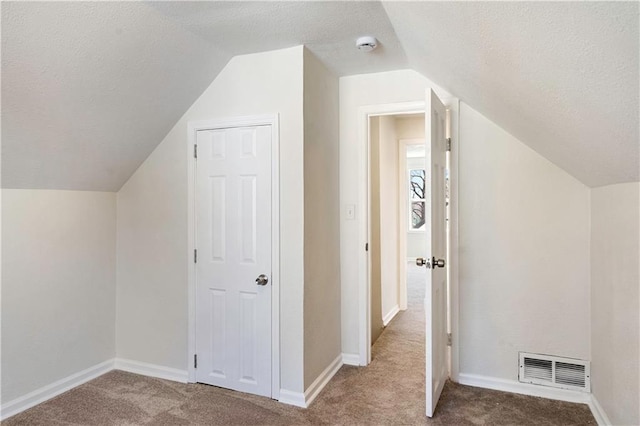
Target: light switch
pixel 350 212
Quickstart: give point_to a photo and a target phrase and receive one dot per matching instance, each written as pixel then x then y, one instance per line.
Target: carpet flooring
pixel 390 391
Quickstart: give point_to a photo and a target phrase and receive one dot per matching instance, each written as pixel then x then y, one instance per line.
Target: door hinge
pixel 449 339
pixel 448 144
pixel 195 151
pixel 195 360
pixel 195 255
pixel 366 247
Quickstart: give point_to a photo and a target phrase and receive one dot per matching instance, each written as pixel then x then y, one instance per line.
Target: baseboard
pixel 305 399
pixel 151 370
pixel 47 392
pixel 292 398
pixel 387 318
pixel 598 412
pixel 351 359
pixel 523 388
pixel 321 381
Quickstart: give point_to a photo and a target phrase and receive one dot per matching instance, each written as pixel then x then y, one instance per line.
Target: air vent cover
pixel 555 371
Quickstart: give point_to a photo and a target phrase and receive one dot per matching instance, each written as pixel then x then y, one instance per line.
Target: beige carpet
pixel 390 391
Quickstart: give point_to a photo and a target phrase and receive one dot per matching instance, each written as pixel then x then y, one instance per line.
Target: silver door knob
pixel 421 261
pixel 437 263
pixel 262 279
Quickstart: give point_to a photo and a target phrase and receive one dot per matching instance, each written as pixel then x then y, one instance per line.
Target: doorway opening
pixel 397 215
pixel 440 286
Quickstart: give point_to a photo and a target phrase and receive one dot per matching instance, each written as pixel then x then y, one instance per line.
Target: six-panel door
pixel 233 233
pixel 436 372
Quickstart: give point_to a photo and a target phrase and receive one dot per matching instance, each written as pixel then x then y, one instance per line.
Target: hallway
pixel 390 391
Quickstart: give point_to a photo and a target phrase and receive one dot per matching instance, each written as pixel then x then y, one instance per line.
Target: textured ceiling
pixel 90 88
pixel 328 29
pixel 561 77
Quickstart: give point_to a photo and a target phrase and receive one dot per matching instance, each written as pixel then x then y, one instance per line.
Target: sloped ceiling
pixel 560 76
pixel 90 88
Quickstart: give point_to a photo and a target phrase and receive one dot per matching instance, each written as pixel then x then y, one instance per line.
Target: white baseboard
pixel 514 386
pixel 541 391
pixel 305 399
pixel 47 392
pixel 292 398
pixel 151 370
pixel 351 359
pixel 392 313
pixel 319 383
pixel 598 412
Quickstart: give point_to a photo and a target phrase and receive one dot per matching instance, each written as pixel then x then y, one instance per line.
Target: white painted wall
pixel 322 343
pixel 356 92
pixel 2 400
pixel 58 285
pixel 615 274
pixel 524 253
pixel 375 256
pixel 415 244
pixel 389 207
pixel 410 126
pixel 152 218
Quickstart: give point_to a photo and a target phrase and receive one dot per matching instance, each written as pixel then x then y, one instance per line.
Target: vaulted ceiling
pixel 560 76
pixel 90 88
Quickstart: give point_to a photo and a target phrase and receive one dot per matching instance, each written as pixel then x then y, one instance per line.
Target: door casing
pixel 246 121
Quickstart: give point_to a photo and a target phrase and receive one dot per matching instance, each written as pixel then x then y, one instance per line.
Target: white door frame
pixel 364 264
pixel 249 121
pixel 453 114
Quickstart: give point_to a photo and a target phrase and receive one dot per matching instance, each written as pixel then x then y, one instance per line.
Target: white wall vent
pixel 555 371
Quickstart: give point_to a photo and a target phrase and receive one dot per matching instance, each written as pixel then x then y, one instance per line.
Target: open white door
pixel 435 302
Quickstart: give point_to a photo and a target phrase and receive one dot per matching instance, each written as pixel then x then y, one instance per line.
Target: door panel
pixel 233 233
pixel 217 315
pixel 218 218
pixel 435 294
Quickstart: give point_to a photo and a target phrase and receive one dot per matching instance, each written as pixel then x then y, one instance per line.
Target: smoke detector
pixel 367 43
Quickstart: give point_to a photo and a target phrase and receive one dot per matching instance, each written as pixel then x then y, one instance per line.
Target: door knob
pixel 421 261
pixel 437 263
pixel 262 279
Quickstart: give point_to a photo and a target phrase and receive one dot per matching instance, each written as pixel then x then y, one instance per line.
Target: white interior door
pixel 435 301
pixel 233 233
